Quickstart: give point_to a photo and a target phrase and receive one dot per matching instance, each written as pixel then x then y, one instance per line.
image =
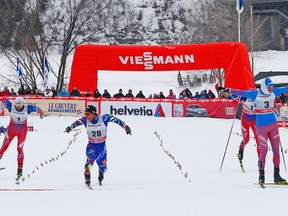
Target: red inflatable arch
pixel 231 56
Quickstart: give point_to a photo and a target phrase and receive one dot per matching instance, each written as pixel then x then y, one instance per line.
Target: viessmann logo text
pixel 141 111
pixel 149 60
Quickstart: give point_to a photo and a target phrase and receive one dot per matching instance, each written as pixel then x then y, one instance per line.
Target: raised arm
pixel 108 118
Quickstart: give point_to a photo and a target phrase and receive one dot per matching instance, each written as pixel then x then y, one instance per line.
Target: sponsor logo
pixel 159 111
pixel 149 60
pixel 93 125
pixel 141 111
pixel 62 107
pixel 229 110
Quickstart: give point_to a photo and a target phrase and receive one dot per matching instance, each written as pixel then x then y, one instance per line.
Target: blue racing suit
pixel 97 134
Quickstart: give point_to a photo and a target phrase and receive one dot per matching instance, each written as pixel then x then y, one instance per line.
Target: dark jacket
pixel 140 95
pixel 106 94
pixel 118 95
pixel 75 93
pixel 96 94
pixel 129 95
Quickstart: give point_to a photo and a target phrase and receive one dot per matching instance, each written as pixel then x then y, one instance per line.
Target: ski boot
pixel 19 175
pixel 87 179
pixel 100 177
pixel 261 178
pixel 240 154
pixel 277 178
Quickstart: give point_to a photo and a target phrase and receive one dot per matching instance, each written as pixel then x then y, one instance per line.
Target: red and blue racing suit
pixel 248 120
pixel 17 128
pixel 266 125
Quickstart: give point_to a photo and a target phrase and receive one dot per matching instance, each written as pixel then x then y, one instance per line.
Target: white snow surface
pixel 141 178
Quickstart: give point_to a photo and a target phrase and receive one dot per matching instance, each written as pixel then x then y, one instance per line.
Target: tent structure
pixel 264 74
pixel 231 56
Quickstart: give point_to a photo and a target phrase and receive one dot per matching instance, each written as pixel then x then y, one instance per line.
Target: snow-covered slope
pixel 141 178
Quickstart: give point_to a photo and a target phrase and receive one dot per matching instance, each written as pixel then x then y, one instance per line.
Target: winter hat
pixel 267 82
pixel 91 109
pixel 19 100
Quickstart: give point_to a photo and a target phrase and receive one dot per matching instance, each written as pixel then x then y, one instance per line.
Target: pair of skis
pixel 262 184
pixel 18 180
pixel 90 187
pixel 272 184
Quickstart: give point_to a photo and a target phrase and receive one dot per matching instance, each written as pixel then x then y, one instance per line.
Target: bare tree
pixel 70 23
pixel 209 21
pixel 25 43
pixel 61 27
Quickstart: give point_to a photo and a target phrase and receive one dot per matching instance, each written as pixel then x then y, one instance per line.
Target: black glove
pixel 68 129
pixel 127 129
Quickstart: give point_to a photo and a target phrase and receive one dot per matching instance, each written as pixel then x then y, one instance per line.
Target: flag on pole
pixel 19 71
pixel 46 73
pixel 239 5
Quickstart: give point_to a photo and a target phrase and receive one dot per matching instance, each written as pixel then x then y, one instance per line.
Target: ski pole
pixel 229 135
pixel 75 129
pixel 283 156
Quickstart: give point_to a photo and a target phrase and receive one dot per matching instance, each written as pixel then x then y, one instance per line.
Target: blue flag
pixel 240 5
pixel 19 71
pixel 46 73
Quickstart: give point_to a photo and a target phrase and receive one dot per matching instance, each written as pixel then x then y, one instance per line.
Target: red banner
pixel 230 56
pixel 214 108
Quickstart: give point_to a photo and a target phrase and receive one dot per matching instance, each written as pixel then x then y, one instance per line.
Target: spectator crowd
pixel 51 92
pixel 184 94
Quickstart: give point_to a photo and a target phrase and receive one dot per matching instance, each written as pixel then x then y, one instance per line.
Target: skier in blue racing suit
pixel 96 126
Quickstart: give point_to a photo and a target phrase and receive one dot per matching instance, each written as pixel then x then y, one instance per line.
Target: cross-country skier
pixel 96 126
pixel 266 125
pixel 17 127
pixel 248 120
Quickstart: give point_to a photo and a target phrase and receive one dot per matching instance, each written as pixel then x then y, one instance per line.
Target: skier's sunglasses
pixel 87 114
pixel 269 88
